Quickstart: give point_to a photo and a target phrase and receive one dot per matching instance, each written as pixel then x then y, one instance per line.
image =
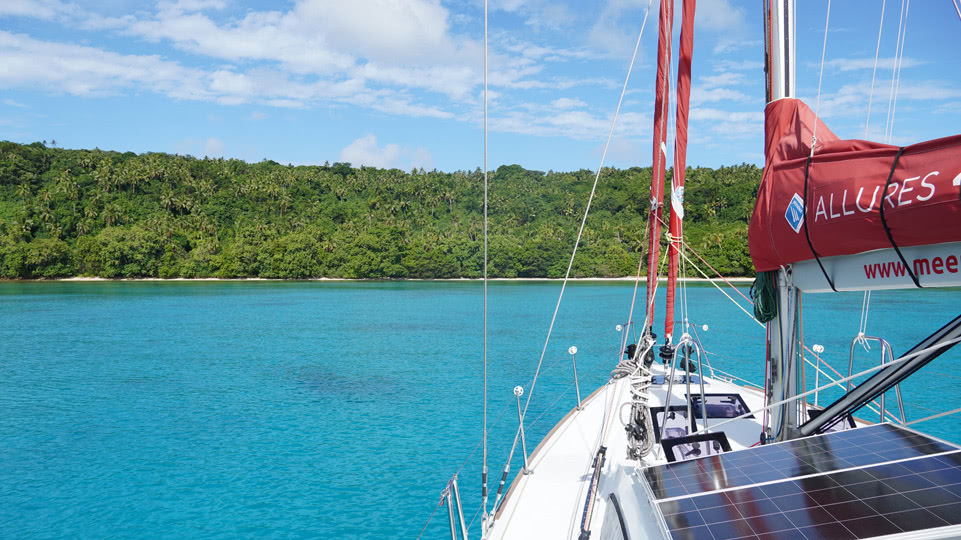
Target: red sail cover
pixel 845 190
pixel 661 98
pixel 685 54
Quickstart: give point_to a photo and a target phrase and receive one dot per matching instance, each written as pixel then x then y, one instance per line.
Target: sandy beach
pixel 625 278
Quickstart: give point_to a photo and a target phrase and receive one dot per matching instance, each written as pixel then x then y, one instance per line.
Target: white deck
pixel 549 502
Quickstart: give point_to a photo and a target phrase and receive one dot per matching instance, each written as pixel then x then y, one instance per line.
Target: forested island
pixel 123 215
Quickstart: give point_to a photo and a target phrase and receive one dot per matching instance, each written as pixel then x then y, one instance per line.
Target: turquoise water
pixel 327 410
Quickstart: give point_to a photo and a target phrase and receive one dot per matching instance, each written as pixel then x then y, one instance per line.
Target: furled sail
pixel 858 211
pixel 661 100
pixel 685 53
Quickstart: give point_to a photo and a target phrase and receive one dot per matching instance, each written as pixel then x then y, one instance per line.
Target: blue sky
pixel 398 83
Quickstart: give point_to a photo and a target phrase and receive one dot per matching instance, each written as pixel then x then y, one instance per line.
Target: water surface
pixel 218 410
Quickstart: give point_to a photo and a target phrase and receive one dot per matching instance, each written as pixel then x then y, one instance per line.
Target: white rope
pixel 894 74
pixel 587 209
pixel 956 8
pixel 933 416
pixel 817 107
pixel 938 345
pixel 877 50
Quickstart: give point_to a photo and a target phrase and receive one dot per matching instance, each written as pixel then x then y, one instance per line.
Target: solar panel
pixel 800 457
pixel 913 484
pixel 909 496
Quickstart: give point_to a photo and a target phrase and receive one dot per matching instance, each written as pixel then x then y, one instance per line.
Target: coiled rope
pixel 764 294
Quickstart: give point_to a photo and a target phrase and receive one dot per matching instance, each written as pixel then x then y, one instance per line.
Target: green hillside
pixel 97 213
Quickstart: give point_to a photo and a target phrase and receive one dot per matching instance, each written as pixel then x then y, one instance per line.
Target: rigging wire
pixel 587 209
pixel 484 466
pixel 894 70
pixel 874 73
pixel 817 107
pixel 430 518
pixel 897 85
pixel 956 8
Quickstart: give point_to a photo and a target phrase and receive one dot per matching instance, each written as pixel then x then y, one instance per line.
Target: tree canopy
pixel 123 215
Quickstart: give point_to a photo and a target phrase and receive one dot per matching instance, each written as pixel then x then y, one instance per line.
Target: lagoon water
pixel 215 410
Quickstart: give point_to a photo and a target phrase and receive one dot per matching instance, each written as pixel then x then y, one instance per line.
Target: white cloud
pixel 711 95
pixel 727 124
pixel 852 64
pixel 726 45
pixel 706 113
pixel 404 107
pixel 257 115
pixel 214 147
pixel 210 147
pixel 422 159
pixel 568 103
pixel 83 70
pixel 365 151
pixel 851 100
pixel 545 121
pixel 87 71
pixel 718 15
pixel 197 5
pixel 744 65
pixel 721 79
pixel 539 13
pixel 38 9
pixel 615 30
pixel 12 103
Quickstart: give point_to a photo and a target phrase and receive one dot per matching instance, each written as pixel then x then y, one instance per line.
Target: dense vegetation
pixel 97 213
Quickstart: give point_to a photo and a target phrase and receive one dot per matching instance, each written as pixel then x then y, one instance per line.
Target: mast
pixel 784 363
pixel 661 100
pixel 685 54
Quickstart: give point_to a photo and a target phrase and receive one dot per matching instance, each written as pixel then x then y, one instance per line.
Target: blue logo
pixel 795 213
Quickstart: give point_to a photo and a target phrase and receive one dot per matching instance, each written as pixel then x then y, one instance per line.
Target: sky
pixel 399 83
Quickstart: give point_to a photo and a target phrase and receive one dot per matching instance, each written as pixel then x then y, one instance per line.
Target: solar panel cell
pixel 950 513
pixel 808 516
pixel 871 527
pixel 769 523
pixel 915 520
pixel 791 534
pixel 828 531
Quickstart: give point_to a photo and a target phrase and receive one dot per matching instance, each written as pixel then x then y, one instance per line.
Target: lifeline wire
pixel 933 416
pixel 587 209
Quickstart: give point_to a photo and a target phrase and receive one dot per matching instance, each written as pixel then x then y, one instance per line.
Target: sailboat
pixel 669 449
